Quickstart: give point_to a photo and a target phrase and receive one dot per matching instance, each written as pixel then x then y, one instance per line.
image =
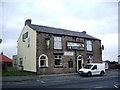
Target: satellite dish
pixel 0 41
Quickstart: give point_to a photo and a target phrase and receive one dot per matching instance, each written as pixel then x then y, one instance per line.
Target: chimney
pixel 84 32
pixel 1 53
pixel 28 21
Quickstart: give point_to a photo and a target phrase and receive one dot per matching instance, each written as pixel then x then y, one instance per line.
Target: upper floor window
pixel 89 45
pixel 25 35
pixel 47 41
pixel 57 43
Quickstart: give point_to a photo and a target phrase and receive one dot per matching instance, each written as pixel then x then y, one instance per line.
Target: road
pixel 109 80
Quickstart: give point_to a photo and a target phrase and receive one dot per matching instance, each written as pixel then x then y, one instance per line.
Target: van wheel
pixel 102 73
pixel 89 74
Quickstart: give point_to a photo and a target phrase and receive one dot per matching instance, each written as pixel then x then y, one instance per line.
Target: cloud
pixel 110 42
pixel 99 19
pixel 9 47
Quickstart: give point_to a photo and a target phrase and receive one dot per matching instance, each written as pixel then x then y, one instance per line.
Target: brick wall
pixel 41 49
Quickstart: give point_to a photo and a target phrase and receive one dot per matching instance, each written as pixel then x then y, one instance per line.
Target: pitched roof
pixel 46 29
pixel 4 58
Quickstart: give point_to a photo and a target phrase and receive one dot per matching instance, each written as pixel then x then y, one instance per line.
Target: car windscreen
pixel 88 66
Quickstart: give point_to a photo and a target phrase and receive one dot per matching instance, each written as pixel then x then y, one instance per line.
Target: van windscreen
pixel 88 66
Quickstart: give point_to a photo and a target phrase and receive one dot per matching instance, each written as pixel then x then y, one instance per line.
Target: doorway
pixel 79 62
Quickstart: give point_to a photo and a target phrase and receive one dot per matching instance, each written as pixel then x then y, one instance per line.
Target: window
pixel 95 67
pixel 21 61
pixel 70 64
pixel 89 59
pixel 47 43
pixel 89 45
pixel 43 61
pixel 25 35
pixel 58 59
pixel 88 66
pixel 57 43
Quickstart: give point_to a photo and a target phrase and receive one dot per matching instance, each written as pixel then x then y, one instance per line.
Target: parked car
pixel 93 69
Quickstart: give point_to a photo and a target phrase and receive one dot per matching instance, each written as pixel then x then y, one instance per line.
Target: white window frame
pixel 59 57
pixel 46 60
pixel 89 45
pixel 57 42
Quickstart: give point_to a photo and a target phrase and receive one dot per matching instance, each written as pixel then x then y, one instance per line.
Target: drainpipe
pixel 76 60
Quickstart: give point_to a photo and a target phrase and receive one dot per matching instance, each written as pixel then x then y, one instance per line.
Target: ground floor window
pixel 89 59
pixel 70 64
pixel 58 60
pixel 21 61
pixel 43 61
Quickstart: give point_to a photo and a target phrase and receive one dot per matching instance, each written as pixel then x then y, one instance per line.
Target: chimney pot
pixel 1 53
pixel 28 21
pixel 84 32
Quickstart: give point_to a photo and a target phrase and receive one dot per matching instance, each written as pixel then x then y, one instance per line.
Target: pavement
pixel 27 78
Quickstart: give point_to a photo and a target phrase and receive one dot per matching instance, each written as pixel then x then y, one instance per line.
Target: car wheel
pixel 89 74
pixel 102 73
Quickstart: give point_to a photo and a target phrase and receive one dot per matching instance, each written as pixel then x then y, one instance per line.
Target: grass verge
pixel 17 73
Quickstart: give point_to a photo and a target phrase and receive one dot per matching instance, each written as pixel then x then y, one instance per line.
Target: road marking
pixel 99 87
pixel 42 82
pixel 19 83
pixel 61 81
pixel 116 86
pixel 37 80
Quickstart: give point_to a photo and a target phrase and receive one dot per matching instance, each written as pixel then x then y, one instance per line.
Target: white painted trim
pixel 81 61
pixel 46 59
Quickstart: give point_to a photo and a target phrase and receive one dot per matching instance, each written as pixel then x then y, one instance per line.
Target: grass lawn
pixel 16 73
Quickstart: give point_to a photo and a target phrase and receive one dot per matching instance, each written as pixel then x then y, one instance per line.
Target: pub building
pixel 49 50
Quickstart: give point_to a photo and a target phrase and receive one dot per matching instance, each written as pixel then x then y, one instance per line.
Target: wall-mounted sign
pixel 68 53
pixel 75 45
pixel 25 35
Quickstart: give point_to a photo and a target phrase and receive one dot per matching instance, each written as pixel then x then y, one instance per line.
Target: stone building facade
pixel 56 50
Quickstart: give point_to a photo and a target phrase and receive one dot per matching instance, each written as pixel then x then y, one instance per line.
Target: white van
pixel 93 69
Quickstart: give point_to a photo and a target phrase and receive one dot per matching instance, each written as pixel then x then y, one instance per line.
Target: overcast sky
pixel 99 19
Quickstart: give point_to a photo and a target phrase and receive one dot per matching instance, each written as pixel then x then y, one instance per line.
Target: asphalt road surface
pixel 109 80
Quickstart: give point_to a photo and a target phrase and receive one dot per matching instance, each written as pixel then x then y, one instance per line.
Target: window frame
pixel 90 59
pixel 47 41
pixel 45 60
pixel 21 61
pixel 59 57
pixel 24 36
pixel 89 45
pixel 57 41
